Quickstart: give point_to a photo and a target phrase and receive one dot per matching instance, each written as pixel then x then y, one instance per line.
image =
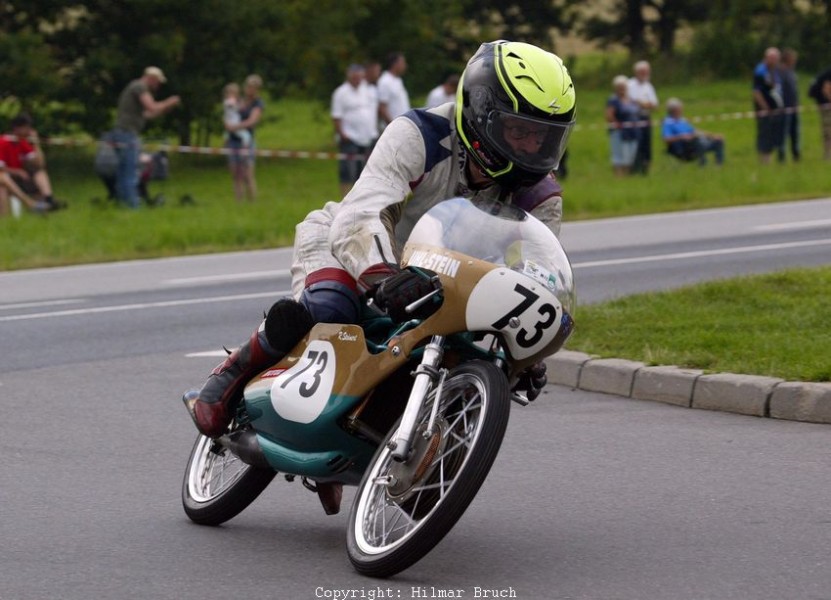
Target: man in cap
pixel 136 104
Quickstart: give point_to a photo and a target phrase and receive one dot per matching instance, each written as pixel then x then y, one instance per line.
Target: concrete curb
pixel 691 388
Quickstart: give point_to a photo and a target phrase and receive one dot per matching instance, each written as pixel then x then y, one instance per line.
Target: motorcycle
pixel 411 412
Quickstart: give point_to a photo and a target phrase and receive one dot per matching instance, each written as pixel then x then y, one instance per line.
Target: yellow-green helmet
pixel 515 109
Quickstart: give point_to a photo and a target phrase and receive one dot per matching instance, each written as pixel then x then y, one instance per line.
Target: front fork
pixel 425 374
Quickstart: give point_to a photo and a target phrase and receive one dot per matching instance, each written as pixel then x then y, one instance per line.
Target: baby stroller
pixel 155 166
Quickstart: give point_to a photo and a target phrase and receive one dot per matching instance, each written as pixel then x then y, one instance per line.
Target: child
pixel 231 116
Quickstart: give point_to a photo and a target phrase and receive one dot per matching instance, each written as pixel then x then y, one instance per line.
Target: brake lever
pixel 411 308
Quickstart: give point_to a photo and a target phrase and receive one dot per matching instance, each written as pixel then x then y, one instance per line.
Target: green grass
pixel 776 324
pixel 290 188
pixel 773 325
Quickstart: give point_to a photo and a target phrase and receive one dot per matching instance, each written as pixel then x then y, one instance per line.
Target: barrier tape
pixel 302 154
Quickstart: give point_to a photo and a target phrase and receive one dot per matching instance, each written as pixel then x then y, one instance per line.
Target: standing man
pixel 768 104
pixel 821 92
pixel 642 93
pixel 354 114
pixel 393 99
pixel 135 105
pixel 790 97
pixel 444 92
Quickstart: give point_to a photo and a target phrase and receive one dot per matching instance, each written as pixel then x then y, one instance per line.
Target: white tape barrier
pixel 266 153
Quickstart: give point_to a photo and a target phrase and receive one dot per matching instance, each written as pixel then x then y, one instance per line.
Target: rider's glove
pixel 398 291
pixel 532 380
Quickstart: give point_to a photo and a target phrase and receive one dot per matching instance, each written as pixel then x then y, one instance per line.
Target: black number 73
pixel 546 310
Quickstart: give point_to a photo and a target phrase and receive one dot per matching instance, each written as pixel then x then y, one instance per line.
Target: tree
pixel 626 27
pixel 645 26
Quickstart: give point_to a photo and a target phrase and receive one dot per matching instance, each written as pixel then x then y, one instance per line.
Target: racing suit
pixel 419 161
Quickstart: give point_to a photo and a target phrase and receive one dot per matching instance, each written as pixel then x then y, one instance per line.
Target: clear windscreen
pixel 501 234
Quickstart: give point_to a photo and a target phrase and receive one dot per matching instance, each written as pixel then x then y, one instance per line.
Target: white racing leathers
pixel 417 163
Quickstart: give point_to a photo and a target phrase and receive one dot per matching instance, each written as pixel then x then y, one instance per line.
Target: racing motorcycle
pixel 411 412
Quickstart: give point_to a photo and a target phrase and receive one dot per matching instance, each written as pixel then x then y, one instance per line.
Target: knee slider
pixel 331 302
pixel 286 323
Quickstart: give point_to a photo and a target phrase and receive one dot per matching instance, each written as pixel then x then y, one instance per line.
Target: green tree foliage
pixel 738 31
pixel 644 26
pixel 82 54
pixel 68 60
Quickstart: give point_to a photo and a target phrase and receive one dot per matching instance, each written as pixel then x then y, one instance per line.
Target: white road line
pixel 700 253
pixel 39 304
pixel 143 306
pixel 252 275
pixel 208 354
pixel 794 225
pixel 277 294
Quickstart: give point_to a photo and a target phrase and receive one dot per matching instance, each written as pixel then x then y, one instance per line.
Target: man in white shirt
pixel 444 93
pixel 354 110
pixel 393 99
pixel 642 92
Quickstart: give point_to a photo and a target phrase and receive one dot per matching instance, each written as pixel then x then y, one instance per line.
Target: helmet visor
pixel 532 144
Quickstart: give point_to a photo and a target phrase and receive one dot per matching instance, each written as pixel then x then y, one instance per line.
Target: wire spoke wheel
pixel 402 510
pixel 218 485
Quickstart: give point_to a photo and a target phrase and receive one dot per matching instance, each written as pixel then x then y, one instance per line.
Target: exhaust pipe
pixel 244 444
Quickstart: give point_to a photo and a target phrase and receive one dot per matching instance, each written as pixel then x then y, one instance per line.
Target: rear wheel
pixel 402 510
pixel 217 485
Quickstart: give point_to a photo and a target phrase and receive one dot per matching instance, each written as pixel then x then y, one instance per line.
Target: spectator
pixel 790 99
pixel 685 141
pixel 443 93
pixel 21 152
pixel 767 102
pixel 393 99
pixel 821 92
pixel 231 116
pixel 642 92
pixel 354 113
pixel 372 72
pixel 622 113
pixel 135 105
pixel 9 188
pixel 241 159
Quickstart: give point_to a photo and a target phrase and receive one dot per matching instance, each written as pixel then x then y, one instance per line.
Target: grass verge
pixel 290 188
pixel 776 325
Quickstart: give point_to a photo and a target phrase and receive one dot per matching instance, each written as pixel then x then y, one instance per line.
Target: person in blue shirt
pixel 685 141
pixel 769 105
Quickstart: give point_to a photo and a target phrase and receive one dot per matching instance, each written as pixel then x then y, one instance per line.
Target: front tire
pixel 402 510
pixel 217 485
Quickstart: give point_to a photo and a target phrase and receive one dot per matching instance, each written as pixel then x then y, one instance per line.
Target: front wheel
pixel 217 485
pixel 402 510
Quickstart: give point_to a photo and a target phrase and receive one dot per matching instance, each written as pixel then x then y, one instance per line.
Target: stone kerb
pixel 609 376
pixel 564 367
pixel 728 392
pixel 667 384
pixel 799 401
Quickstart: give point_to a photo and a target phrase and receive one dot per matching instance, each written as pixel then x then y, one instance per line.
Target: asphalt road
pixel 593 496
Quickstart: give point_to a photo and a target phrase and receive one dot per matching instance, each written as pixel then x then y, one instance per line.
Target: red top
pixel 15 150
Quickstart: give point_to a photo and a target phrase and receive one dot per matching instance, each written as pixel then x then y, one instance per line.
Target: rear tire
pixel 402 510
pixel 217 485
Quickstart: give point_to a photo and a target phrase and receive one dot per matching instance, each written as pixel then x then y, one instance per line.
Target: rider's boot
pixel 213 406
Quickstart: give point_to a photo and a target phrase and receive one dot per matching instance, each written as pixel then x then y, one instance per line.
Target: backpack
pixel 106 158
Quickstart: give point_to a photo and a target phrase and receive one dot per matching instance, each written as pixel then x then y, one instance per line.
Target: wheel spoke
pixel 390 515
pixel 215 473
pixel 442 485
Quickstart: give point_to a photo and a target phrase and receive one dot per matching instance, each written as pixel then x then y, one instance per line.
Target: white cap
pixel 155 72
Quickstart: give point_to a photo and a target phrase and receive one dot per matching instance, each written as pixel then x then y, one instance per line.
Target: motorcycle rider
pixel 502 139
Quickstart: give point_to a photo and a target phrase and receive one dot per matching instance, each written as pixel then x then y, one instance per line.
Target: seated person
pixel 685 141
pixel 25 162
pixel 9 188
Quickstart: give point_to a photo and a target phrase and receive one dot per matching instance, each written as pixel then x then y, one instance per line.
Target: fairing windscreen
pixel 501 234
